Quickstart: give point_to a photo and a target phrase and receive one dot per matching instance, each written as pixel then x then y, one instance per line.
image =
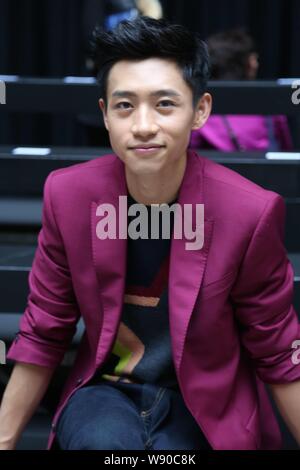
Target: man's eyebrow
pixel 127 93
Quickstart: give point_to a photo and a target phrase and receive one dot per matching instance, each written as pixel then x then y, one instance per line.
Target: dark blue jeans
pixel 127 416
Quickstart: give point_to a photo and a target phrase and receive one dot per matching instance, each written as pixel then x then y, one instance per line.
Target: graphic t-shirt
pixel 142 350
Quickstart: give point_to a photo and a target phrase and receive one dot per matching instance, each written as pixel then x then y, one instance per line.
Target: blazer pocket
pixel 217 287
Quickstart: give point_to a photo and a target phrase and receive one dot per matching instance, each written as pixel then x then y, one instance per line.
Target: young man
pixel 179 342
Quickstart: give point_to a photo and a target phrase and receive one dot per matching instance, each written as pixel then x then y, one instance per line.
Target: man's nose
pixel 144 123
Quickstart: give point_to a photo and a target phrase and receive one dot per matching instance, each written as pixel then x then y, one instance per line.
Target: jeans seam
pixel 156 401
pixel 148 444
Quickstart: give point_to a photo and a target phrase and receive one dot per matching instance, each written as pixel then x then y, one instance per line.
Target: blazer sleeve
pixel 262 297
pixel 49 321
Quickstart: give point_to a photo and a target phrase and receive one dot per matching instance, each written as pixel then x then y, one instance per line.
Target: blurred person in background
pixel 118 10
pixel 234 57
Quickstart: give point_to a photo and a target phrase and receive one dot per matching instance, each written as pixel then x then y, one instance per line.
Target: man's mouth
pixel 146 146
pixel 145 150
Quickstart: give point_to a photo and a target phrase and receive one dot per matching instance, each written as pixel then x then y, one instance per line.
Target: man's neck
pixel 156 188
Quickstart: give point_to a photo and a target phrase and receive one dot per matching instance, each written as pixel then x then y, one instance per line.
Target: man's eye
pixel 167 102
pixel 119 105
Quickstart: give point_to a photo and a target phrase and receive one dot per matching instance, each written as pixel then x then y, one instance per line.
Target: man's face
pixel 149 103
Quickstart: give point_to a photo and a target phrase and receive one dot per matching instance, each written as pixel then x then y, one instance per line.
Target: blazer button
pixel 79 381
pixel 53 427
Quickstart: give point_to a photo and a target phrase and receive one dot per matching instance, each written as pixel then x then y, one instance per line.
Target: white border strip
pixel 31 151
pixel 282 156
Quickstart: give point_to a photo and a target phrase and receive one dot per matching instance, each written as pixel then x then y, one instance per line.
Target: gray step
pixel 24 175
pixel 16 261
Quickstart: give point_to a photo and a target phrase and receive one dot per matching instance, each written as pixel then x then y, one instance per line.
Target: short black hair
pixel 144 37
pixel 229 53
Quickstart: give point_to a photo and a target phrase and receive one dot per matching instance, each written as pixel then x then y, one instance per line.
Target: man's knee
pixel 90 439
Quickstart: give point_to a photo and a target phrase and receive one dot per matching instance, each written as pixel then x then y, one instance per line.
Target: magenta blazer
pixel 232 322
pixel 252 132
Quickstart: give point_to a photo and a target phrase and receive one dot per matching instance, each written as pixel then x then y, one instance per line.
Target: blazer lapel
pixel 187 267
pixel 109 257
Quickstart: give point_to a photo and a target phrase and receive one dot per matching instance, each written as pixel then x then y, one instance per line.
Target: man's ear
pixel 203 111
pixel 103 109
